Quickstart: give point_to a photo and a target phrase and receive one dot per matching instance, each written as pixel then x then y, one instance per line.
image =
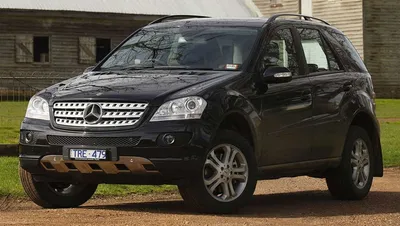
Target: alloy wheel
pixel 360 163
pixel 225 172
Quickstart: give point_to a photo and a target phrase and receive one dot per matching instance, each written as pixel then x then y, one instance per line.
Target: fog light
pixel 28 137
pixel 169 139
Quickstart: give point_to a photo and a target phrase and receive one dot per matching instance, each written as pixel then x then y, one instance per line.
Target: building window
pixel 93 50
pixel 32 49
pixel 275 3
pixel 41 49
pixel 103 47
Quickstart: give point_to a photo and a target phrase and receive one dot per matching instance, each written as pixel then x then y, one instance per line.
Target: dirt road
pixel 294 201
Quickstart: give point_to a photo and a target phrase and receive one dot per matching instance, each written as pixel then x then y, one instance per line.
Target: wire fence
pixel 21 86
pixel 16 88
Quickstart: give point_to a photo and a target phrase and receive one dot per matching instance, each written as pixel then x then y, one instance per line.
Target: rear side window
pixel 346 48
pixel 318 55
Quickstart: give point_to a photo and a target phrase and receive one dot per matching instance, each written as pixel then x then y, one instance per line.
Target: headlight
pixel 179 109
pixel 38 108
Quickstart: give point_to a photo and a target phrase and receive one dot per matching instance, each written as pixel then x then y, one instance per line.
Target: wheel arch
pixel 239 122
pixel 365 120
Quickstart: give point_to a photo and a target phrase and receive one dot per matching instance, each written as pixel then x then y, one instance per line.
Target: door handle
pixel 306 92
pixel 306 95
pixel 347 86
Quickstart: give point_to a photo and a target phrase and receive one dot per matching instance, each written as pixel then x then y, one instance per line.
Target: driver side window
pixel 280 51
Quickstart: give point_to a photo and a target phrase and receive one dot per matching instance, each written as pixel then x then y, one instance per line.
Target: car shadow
pixel 282 205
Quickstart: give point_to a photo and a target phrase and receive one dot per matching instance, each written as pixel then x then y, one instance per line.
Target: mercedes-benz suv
pixel 212 106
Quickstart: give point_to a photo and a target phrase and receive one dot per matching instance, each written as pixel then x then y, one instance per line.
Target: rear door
pixel 329 85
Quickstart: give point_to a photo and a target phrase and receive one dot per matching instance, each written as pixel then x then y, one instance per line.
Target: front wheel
pixel 55 195
pixel 228 176
pixel 352 180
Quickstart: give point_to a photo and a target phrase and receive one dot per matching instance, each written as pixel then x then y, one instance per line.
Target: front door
pixel 286 107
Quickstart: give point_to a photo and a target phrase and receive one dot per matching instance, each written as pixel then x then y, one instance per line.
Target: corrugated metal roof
pixel 214 8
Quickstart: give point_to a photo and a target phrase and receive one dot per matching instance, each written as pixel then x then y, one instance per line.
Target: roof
pixel 213 8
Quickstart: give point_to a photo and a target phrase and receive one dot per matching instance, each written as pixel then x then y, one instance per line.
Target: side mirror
pixel 277 75
pixel 89 69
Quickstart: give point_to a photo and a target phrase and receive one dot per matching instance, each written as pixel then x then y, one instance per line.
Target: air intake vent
pixel 102 141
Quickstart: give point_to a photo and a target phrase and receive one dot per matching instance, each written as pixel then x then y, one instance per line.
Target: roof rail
pixel 308 18
pixel 175 17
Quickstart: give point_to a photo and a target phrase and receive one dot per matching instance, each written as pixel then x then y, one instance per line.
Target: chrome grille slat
pixel 120 106
pixel 70 105
pixel 68 114
pixel 114 114
pixel 123 106
pixel 125 114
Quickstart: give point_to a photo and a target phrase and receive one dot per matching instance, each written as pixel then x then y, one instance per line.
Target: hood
pixel 140 86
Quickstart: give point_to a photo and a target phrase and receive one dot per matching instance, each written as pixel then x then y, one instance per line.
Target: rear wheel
pixel 353 178
pixel 55 195
pixel 228 177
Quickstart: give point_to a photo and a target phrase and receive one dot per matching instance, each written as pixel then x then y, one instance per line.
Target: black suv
pixel 211 105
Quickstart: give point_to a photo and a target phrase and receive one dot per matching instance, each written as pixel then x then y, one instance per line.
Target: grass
pixel 9 177
pixel 388 108
pixel 390 129
pixel 390 132
pixel 12 113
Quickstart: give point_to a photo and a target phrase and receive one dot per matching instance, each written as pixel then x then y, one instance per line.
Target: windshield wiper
pixel 132 68
pixel 126 68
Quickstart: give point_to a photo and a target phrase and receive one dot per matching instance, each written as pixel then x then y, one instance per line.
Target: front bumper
pixel 141 156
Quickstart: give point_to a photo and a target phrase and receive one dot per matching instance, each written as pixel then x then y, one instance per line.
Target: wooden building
pixel 371 25
pixel 43 42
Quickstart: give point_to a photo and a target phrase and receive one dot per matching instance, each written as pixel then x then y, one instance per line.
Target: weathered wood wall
pixel 268 9
pixel 382 45
pixel 64 30
pixel 346 15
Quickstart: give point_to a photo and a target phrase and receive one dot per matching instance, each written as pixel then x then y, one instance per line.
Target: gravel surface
pixel 289 201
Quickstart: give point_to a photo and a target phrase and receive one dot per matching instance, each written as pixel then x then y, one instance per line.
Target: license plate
pixel 87 154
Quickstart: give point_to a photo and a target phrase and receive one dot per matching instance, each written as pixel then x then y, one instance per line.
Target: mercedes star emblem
pixel 92 113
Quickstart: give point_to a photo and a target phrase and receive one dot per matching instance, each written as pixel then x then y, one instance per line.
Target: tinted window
pixel 347 49
pixel 225 48
pixel 280 51
pixel 318 55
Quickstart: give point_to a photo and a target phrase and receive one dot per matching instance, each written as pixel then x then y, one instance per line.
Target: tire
pixel 210 190
pixel 55 195
pixel 342 181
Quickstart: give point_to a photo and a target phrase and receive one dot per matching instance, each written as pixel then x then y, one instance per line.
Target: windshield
pixel 208 48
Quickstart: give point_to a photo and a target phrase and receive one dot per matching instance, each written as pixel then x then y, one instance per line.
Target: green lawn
pixel 388 108
pixel 390 141
pixel 12 113
pixel 390 130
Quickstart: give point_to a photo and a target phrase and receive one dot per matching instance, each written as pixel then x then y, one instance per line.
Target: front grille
pixel 110 114
pixel 98 141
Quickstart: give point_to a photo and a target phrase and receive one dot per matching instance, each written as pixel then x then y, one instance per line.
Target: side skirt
pixel 307 168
